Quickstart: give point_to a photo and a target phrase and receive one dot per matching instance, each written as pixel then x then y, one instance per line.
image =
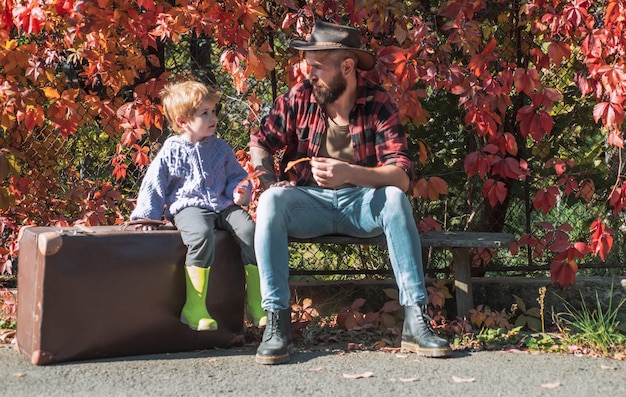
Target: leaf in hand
pixel 253 175
pixel 294 162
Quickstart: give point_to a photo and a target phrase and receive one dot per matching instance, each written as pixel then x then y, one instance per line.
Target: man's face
pixel 325 76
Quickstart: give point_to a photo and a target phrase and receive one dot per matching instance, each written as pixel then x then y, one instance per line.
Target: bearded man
pixel 354 183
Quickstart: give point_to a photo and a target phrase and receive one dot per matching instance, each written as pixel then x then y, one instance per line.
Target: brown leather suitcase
pixel 102 292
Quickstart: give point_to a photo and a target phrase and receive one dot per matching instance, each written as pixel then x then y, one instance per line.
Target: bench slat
pixel 459 243
pixel 428 239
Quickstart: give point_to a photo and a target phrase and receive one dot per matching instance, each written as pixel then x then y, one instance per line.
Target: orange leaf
pixel 253 175
pixel 436 186
pixel 557 51
pixel 294 162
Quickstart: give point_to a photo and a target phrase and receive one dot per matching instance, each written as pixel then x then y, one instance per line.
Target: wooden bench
pixel 459 243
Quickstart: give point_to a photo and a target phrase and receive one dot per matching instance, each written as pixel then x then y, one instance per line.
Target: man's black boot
pixel 277 339
pixel 418 336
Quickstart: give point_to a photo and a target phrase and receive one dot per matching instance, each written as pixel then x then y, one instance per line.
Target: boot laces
pixel 271 328
pixel 427 319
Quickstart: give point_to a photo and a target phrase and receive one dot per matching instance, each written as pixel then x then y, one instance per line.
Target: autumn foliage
pixel 69 68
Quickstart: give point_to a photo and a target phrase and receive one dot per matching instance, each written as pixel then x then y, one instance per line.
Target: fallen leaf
pixel 294 162
pixel 513 350
pixel 359 376
pixel 19 374
pixel 553 385
pixel 457 379
pixel 7 335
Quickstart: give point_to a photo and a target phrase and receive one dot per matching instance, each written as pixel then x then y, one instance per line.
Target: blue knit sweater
pixel 185 174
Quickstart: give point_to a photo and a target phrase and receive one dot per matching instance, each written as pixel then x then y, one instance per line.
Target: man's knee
pixel 272 200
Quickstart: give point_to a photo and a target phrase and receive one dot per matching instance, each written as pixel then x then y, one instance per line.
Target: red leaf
pixel 557 51
pixel 141 156
pixel 428 224
pixel 476 163
pixel 545 199
pixel 526 80
pixel 30 20
pixel 495 191
pixel 601 239
pixel 392 57
pixel 563 272
pixel 611 113
pixel 509 144
pixel 510 168
pixel 615 139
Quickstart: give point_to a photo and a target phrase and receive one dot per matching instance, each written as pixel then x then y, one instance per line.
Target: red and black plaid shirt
pixel 297 124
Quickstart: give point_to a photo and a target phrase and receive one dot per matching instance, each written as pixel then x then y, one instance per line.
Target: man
pixel 353 184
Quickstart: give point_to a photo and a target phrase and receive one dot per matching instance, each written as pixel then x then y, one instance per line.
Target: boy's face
pixel 202 124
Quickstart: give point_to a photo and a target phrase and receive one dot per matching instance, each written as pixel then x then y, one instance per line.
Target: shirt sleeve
pixel 271 134
pixel 391 142
pixel 234 174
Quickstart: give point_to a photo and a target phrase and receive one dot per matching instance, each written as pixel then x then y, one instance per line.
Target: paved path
pixel 320 372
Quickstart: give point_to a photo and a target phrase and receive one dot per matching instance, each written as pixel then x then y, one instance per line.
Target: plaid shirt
pixel 297 124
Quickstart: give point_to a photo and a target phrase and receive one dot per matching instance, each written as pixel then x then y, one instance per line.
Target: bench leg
pixel 462 281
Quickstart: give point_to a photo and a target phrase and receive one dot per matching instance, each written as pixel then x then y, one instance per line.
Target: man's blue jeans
pixel 359 212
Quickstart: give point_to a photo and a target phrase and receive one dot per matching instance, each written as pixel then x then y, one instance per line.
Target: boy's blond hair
pixel 182 99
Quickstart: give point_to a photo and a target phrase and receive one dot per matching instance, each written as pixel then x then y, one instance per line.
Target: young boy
pixel 196 179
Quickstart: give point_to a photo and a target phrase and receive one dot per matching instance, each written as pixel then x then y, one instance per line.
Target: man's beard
pixel 336 87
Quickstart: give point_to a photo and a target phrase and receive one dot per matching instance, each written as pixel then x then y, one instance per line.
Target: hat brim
pixel 366 59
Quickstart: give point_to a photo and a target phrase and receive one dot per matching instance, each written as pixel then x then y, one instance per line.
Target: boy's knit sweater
pixel 185 174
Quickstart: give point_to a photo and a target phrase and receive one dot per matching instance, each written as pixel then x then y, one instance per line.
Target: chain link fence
pixel 72 170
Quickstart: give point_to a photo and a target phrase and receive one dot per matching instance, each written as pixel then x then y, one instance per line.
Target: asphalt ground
pixel 317 371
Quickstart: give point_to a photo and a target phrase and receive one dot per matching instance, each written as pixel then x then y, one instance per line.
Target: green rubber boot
pixel 195 313
pixel 255 312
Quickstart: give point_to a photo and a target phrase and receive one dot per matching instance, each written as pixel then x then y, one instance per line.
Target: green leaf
pixel 534 312
pixel 392 293
pixel 534 323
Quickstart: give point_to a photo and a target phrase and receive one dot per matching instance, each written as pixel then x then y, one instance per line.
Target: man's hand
pixel 283 184
pixel 329 172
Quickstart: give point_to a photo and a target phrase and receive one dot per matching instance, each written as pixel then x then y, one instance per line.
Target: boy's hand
pixel 146 224
pixel 240 195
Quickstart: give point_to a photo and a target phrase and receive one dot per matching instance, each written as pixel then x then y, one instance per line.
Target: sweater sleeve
pixel 152 194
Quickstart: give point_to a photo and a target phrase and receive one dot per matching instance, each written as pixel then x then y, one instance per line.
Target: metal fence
pixel 71 170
